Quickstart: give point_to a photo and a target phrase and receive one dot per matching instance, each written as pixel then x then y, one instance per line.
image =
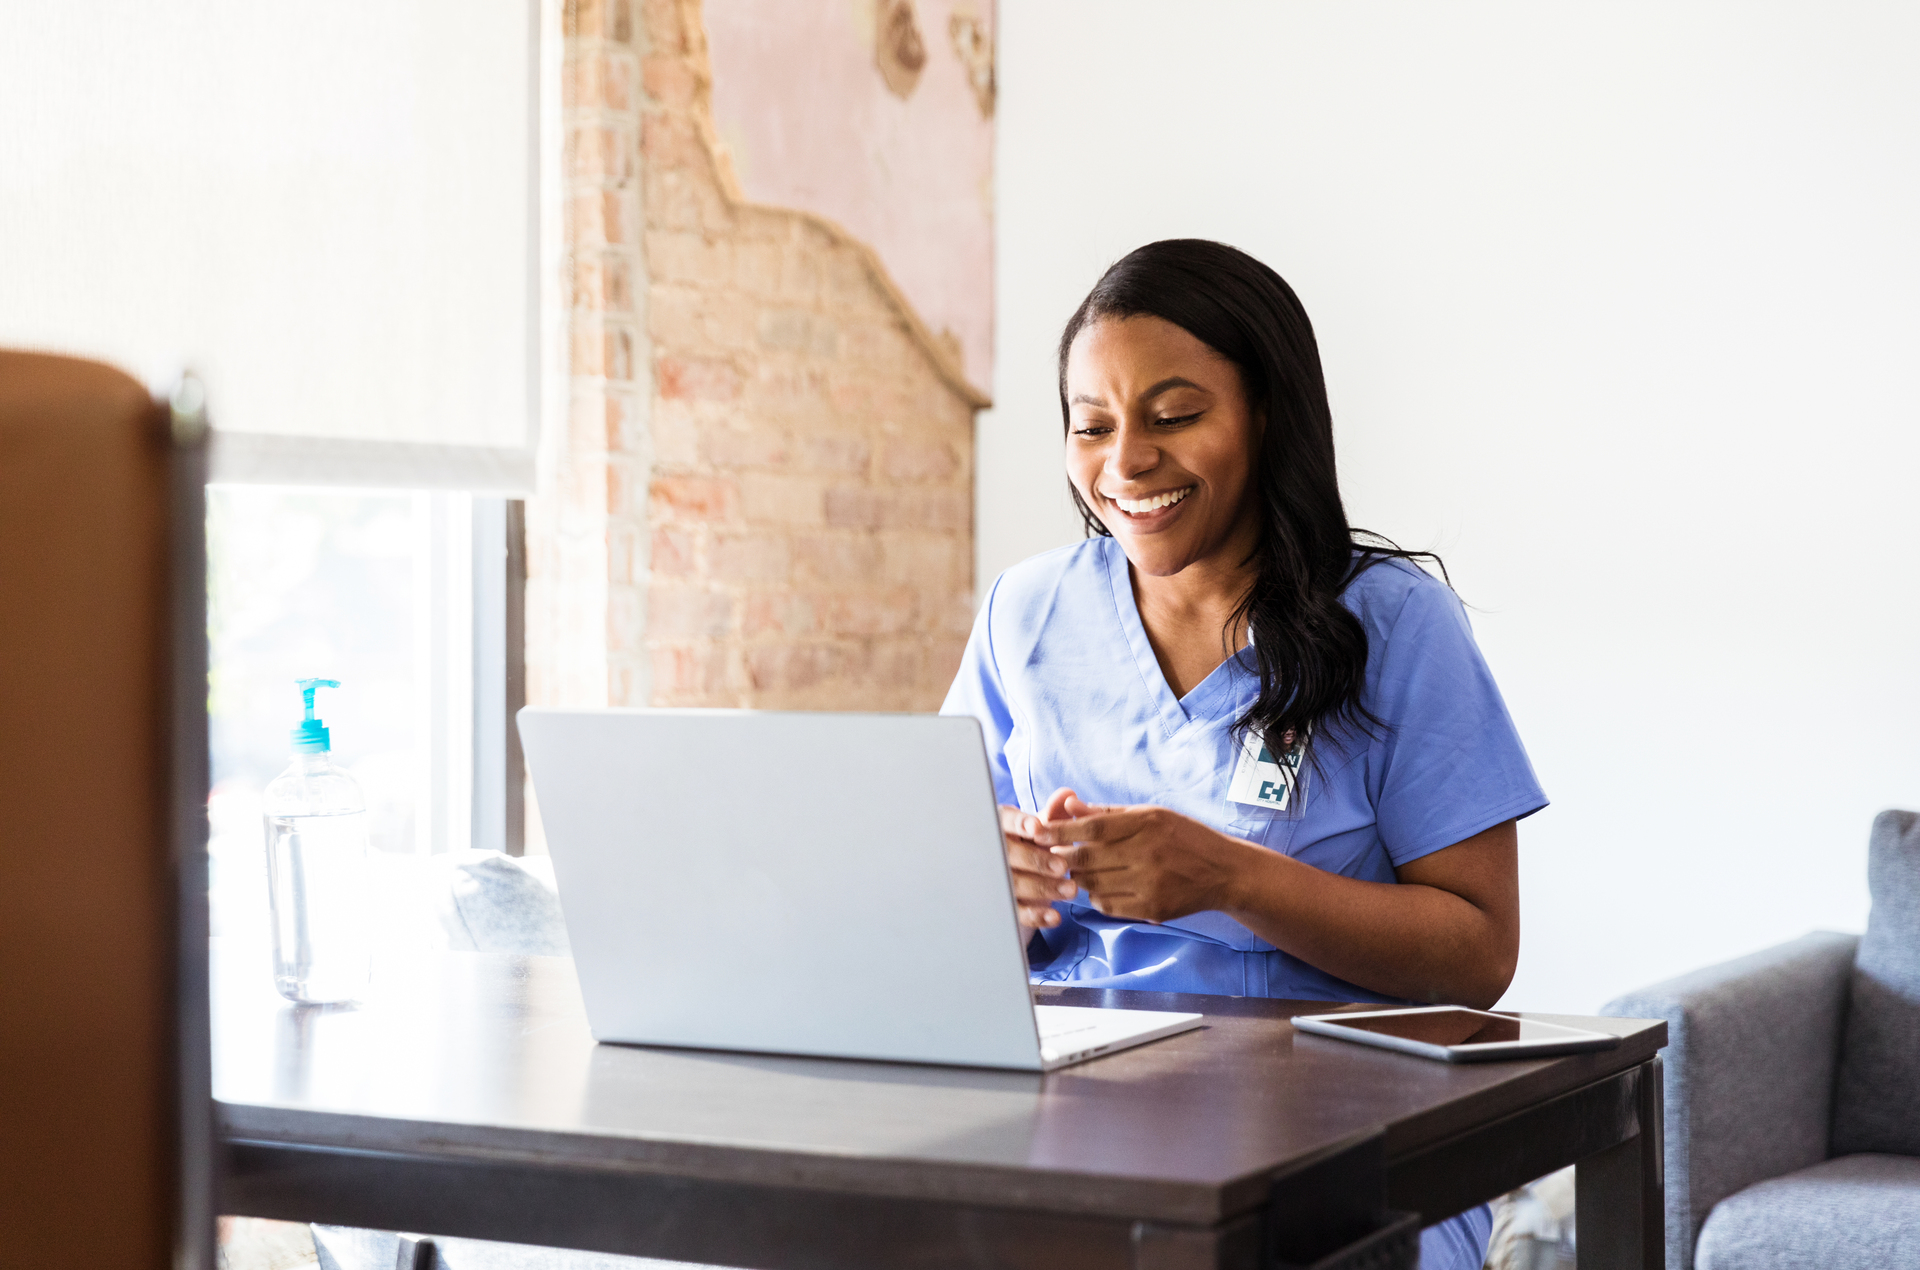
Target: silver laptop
pixel 829 884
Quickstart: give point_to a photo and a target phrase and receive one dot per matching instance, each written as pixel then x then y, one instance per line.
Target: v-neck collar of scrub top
pixel 1208 699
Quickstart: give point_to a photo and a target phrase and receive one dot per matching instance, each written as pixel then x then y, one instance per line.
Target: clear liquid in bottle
pixel 317 879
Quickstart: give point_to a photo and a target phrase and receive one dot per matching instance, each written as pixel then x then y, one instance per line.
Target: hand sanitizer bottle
pixel 318 873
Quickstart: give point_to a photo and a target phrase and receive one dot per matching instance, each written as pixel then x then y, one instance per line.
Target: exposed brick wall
pixel 585 604
pixel 764 496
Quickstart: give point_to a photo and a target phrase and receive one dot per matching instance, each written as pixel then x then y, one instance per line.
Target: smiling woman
pixel 1165 464
pixel 1240 747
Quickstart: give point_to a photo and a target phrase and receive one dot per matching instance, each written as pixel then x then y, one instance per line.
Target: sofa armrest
pixel 1751 1046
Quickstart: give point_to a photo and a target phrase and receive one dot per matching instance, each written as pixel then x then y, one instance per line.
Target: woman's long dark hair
pixel 1311 651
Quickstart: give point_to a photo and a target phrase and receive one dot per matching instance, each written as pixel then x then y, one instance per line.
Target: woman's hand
pixel 1143 863
pixel 1448 929
pixel 1039 877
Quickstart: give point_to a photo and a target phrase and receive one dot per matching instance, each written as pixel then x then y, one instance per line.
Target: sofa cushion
pixel 1876 1095
pixel 1858 1210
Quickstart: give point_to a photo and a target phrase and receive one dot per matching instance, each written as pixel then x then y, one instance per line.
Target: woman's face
pixel 1160 443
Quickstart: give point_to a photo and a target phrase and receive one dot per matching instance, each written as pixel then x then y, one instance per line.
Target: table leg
pixel 1619 1196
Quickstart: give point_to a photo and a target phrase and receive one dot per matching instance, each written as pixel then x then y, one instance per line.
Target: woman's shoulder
pixel 1388 590
pixel 1041 578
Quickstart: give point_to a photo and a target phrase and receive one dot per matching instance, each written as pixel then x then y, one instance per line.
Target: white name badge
pixel 1261 780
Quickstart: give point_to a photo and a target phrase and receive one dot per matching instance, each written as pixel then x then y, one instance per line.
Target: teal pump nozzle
pixel 311 736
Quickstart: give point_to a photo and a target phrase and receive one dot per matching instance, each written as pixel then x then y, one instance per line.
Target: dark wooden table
pixel 467 1098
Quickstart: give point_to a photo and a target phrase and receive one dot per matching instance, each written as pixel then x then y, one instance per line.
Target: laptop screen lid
pixel 829 884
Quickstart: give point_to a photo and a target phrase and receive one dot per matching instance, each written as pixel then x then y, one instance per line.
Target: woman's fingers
pixel 1016 823
pixel 1105 825
pixel 1042 887
pixel 1032 888
pixel 1024 856
pixel 1066 817
pixel 1087 861
pixel 1039 877
pixel 1037 916
pixel 1028 863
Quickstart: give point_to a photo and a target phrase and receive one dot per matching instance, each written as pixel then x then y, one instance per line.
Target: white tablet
pixel 1455 1034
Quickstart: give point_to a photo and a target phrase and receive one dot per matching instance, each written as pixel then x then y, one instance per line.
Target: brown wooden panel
pixel 685 1219
pixel 1619 1198
pixel 1490 1160
pixel 87 898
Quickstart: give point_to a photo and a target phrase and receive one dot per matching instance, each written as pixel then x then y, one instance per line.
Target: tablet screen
pixel 1454 1027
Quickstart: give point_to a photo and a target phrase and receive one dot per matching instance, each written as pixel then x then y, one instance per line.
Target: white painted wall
pixel 1620 307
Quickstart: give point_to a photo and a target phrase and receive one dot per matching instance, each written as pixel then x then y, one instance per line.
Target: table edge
pixel 997 1186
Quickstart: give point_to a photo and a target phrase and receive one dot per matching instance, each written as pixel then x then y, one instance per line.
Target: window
pixel 410 600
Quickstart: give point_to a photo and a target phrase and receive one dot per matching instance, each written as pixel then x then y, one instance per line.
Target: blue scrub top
pixel 1062 679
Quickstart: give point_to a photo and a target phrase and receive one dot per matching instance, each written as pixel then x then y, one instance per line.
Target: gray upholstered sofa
pixel 1793 1090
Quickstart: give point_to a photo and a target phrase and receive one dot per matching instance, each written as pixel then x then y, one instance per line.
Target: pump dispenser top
pixel 312 736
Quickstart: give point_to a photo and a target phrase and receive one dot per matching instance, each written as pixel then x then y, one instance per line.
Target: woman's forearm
pixel 1409 939
pixel 1447 930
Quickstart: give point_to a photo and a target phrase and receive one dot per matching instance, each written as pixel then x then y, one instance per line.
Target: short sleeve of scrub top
pixel 1065 685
